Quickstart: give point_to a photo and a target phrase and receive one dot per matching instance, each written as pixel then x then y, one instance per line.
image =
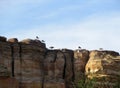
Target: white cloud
pixel 93 33
pixel 89 5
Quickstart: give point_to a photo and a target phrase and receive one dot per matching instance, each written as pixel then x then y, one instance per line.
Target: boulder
pixel 33 42
pixel 27 41
pixel 13 40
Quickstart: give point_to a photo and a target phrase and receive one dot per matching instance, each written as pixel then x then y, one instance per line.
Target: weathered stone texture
pixel 53 69
pixel 68 69
pixel 31 65
pixel 104 66
pixel 23 62
pixel 5 55
pixel 28 64
pixel 80 60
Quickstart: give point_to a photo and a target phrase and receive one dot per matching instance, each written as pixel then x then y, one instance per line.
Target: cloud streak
pixel 91 24
pixel 92 33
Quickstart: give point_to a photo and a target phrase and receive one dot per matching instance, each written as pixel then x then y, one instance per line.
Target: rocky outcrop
pixel 104 66
pixel 23 62
pixel 13 40
pixel 29 64
pixel 58 68
pixel 53 69
pixel 80 59
pixel 68 68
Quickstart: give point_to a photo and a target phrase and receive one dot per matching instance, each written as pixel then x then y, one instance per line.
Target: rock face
pixel 29 64
pixel 80 59
pixel 53 69
pixel 58 68
pixel 104 66
pixel 23 62
pixel 68 74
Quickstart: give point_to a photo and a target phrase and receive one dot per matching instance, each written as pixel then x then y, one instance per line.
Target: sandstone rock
pixel 54 65
pixel 13 40
pixel 29 66
pixel 80 59
pixel 104 66
pixel 5 56
pixel 24 62
pixel 59 65
pixel 33 42
pixel 4 71
pixel 27 41
pixel 69 69
pixel 3 39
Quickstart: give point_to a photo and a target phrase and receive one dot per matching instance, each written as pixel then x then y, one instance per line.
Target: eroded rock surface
pixel 29 64
pixel 54 67
pixel 80 60
pixel 104 66
pixel 68 74
pixel 23 62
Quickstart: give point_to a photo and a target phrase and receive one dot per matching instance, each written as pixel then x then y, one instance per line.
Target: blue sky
pixel 91 24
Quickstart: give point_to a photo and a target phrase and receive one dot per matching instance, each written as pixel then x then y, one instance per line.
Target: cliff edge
pixel 29 64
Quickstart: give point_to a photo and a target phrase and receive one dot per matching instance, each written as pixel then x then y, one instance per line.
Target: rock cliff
pixel 29 64
pixel 80 59
pixel 104 67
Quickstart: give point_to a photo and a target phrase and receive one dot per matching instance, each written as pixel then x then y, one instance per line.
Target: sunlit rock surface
pixel 80 59
pixel 29 64
pixel 104 66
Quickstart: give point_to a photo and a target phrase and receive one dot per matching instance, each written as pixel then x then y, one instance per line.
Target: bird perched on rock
pixel 37 37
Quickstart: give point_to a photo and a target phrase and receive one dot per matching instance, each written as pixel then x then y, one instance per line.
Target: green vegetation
pixel 92 83
pixel 89 83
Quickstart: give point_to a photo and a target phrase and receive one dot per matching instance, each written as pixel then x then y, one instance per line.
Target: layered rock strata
pixel 22 61
pixel 29 64
pixel 104 67
pixel 80 59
